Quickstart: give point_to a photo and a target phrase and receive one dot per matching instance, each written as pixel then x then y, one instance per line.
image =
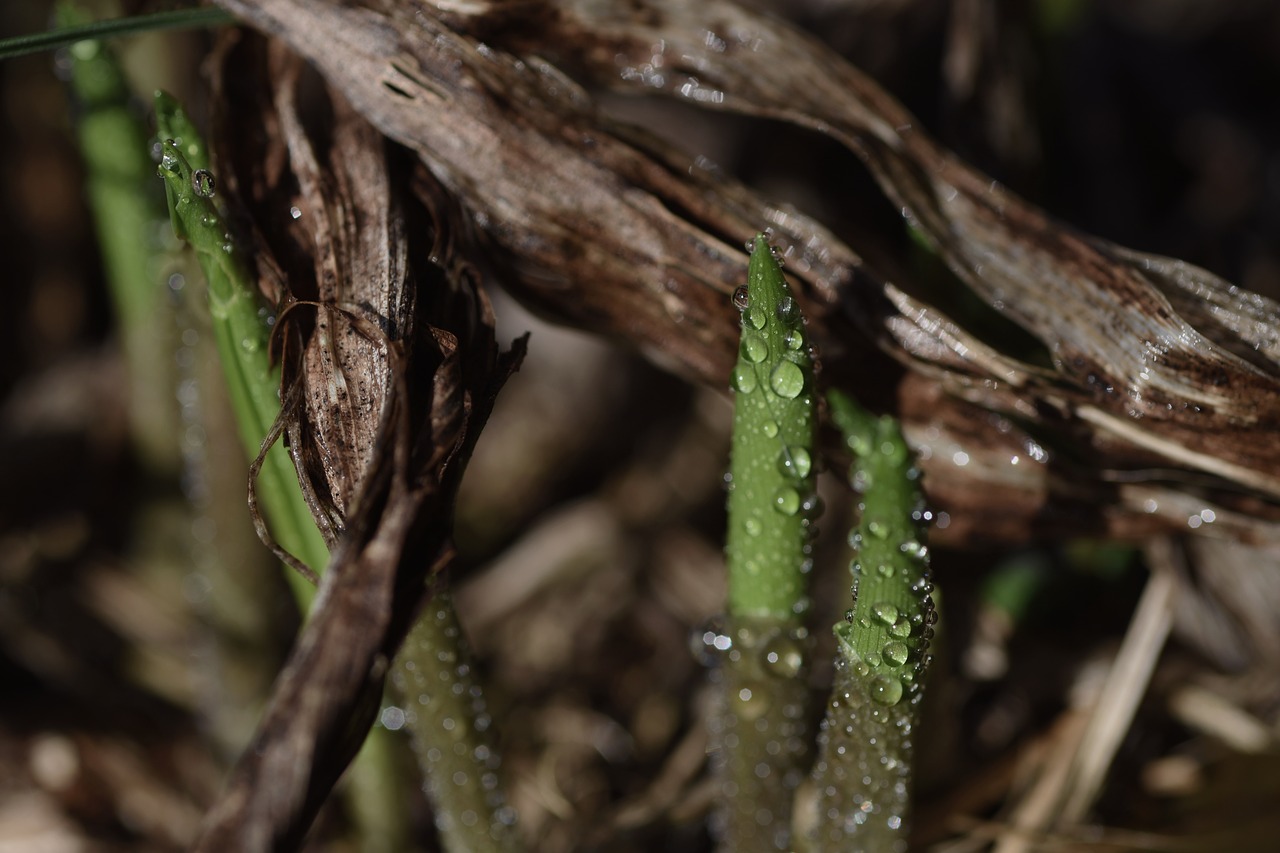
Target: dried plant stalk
pixel 390 368
pixel 1157 365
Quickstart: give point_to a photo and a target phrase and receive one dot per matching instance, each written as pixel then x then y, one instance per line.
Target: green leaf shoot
pixel 764 741
pixel 772 500
pixel 864 770
pixel 240 323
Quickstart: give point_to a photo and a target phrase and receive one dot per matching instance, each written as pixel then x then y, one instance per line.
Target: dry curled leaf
pixel 1162 382
pixel 390 370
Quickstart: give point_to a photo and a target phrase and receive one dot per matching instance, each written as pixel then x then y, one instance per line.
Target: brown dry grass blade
pixel 394 356
pixel 1163 385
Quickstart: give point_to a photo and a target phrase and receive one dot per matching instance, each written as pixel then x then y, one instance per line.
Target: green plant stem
pixel 69 34
pixel 448 725
pixel 242 334
pixel 864 769
pixel 375 794
pixel 764 743
pixel 771 499
pixel 128 215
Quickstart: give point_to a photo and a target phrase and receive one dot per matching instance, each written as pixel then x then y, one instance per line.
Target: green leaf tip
pixel 772 498
pixel 886 634
pixel 865 765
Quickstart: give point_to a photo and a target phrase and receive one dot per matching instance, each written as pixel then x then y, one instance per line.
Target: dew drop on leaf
pixel 801 461
pixel 786 501
pixel 751 704
pixel 914 548
pixel 740 298
pixel 787 380
pixel 744 379
pixel 885 612
pixel 783 657
pixel 754 348
pixel 896 652
pixel 787 311
pixel 168 160
pixel 885 690
pixel 202 182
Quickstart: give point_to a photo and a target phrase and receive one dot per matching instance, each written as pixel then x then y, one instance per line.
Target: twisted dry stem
pixel 1155 364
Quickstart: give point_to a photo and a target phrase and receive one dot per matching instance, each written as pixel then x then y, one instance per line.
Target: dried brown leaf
pixel 393 360
pixel 1163 382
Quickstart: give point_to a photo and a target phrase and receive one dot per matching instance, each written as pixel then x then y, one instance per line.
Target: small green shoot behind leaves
pixel 864 770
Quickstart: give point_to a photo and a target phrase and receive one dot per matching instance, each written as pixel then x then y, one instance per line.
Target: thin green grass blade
pixel 242 333
pixel 128 215
pixel 66 36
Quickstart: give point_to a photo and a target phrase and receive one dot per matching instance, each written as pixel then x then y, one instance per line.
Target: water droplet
pixel 754 348
pixel 860 480
pixel 885 690
pixel 751 704
pixel 168 159
pixel 901 627
pixel 752 526
pixel 878 529
pixel 756 317
pixel 770 429
pixel 744 378
pixel 202 182
pixel 896 652
pixel 787 311
pixel 812 507
pixel 801 461
pixel 884 570
pixel 885 612
pixel 848 616
pixel 740 298
pixel 783 657
pixel 794 340
pixel 787 380
pixel 914 548
pixel 795 461
pixel 786 501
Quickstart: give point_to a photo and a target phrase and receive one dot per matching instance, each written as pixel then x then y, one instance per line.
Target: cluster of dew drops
pixel 202 183
pixel 897 664
pixel 787 381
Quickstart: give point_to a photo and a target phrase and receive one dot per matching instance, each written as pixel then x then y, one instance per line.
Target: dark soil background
pixel 591 520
